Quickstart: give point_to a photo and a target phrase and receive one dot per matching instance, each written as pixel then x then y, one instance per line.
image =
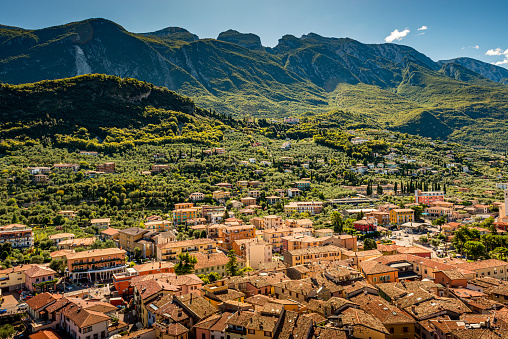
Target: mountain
pixel 391 86
pixel 100 110
pixel 492 72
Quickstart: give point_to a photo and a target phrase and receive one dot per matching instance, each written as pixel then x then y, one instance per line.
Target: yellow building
pixel 170 251
pixel 158 225
pixel 133 237
pixel 311 255
pixel 242 184
pixel 221 195
pixel 400 216
pixel 184 205
pixel 180 216
pixel 13 278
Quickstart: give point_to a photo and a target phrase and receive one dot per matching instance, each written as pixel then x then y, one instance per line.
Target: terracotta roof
pixel 60 253
pixel 39 271
pixel 45 334
pixel 381 309
pixel 153 266
pixel 176 329
pixel 329 332
pixel 133 231
pixel 21 268
pixel 197 305
pixel 187 243
pixel 210 260
pixel 373 267
pixel 240 318
pixel 78 242
pixel 453 275
pixel 316 250
pixel 477 265
pixel 95 253
pixel 110 231
pixel 42 299
pixel 357 317
pixel 61 235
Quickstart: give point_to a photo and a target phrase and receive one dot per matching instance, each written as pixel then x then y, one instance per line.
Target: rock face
pixel 247 40
pixel 492 72
pixel 173 33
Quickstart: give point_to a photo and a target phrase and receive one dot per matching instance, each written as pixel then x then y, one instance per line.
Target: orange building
pixel 377 273
pixel 230 234
pixel 96 265
pixel 428 197
pixel 122 281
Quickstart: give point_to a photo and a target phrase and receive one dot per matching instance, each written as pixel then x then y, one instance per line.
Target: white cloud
pixel 504 62
pixel 422 28
pixel 476 47
pixel 497 51
pixel 396 35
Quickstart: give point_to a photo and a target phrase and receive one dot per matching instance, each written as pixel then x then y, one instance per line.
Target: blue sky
pixel 453 28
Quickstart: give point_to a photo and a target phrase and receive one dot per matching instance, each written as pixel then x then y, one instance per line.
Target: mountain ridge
pixel 236 74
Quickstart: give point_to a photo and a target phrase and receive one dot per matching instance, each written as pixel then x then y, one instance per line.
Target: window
pixel 392 330
pixel 251 331
pixel 268 334
pixel 405 329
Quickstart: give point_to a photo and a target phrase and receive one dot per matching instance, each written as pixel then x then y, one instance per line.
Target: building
pixel 402 215
pixel 42 179
pixel 248 201
pixel 181 215
pixel 158 225
pixel 323 232
pixel 20 236
pixel 310 255
pixel 255 251
pixel 72 244
pixel 302 185
pixel 294 192
pixel 92 153
pixel 274 236
pixel 208 210
pixel 68 214
pixel 57 238
pixel 214 262
pixel 13 278
pixel 40 279
pixel 382 218
pixel 66 167
pixel 428 197
pixel 107 167
pixel 170 251
pixel 311 207
pixel 159 168
pixel 110 234
pixel 101 224
pixel 273 221
pixel 221 196
pixel 487 268
pixel 296 242
pixel 95 265
pixel 230 234
pixel 365 226
pixel 135 237
pixel 346 241
pixel 197 196
pixel 377 273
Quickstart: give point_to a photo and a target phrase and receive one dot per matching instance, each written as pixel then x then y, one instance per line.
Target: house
pixel 72 244
pixel 273 221
pixel 66 167
pixel 213 262
pixel 68 214
pixel 110 234
pixel 302 185
pixel 107 167
pixel 20 236
pixel 160 168
pixel 221 196
pixel 230 234
pixel 311 207
pixel 42 179
pixel 376 272
pixel 272 199
pixel 248 201
pixel 346 241
pixel 207 211
pixel 197 196
pixel 293 192
pixel 101 224
pixel 40 279
pixel 274 236
pixel 13 278
pixel 57 238
pixel 286 146
pixel 364 226
pixel 322 233
pixel 136 237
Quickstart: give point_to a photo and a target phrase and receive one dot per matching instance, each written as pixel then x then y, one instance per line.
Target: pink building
pixel 40 279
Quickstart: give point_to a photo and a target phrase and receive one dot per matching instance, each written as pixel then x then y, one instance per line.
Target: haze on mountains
pixel 388 85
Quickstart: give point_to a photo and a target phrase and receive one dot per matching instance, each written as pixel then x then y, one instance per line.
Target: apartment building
pixel 310 255
pixel 158 225
pixel 72 244
pixel 57 238
pixel 214 262
pixel 221 196
pixel 274 236
pixel 208 210
pixel 311 207
pixel 346 241
pixel 242 184
pixel 68 214
pixel 20 236
pixel 40 279
pixel 96 265
pixel 136 237
pixel 302 185
pixel 13 278
pixel 171 250
pixel 273 221
pixel 181 215
pixel 159 168
pixel 255 251
pixel 230 234
pixel 428 197
pixel 402 215
pixel 296 242
pixel 248 201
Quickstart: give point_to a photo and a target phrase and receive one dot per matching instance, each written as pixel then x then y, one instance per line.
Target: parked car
pixel 23 306
pixel 3 311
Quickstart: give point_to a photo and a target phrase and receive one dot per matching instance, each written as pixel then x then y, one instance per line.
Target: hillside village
pixel 402 245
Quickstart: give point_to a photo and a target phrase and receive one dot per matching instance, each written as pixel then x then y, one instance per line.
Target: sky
pixel 441 29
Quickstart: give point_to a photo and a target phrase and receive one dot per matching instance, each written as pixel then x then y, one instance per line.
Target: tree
pixel 37 259
pixel 474 249
pixel 58 265
pixel 185 264
pixel 499 253
pixel 337 222
pixel 137 252
pixel 369 244
pixel 214 276
pixel 424 239
pixel 435 242
pixel 6 331
pixel 232 265
pixel 379 189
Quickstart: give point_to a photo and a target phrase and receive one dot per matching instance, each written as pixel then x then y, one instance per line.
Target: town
pixel 391 258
